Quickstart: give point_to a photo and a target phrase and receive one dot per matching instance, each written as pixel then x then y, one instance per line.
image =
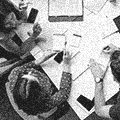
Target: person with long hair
pixel 10 17
pixel 31 92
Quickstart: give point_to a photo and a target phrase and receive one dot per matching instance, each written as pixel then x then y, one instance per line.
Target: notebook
pixel 65 10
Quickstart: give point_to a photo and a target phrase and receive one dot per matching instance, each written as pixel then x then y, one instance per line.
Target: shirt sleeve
pixel 115 112
pixel 65 87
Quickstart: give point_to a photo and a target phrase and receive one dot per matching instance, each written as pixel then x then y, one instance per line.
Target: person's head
pixel 10 21
pixel 115 65
pixel 29 95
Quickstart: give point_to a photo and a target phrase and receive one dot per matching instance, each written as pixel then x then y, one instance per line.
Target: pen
pixel 110 34
pixel 77 35
pixel 81 73
pixel 76 54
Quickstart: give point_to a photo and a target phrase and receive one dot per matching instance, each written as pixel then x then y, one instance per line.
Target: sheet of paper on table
pixel 37 52
pixel 108 27
pixel 58 42
pixel 75 40
pixel 94 6
pixel 23 29
pixel 65 7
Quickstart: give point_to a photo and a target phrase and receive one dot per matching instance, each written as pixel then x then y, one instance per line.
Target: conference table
pixel 94 27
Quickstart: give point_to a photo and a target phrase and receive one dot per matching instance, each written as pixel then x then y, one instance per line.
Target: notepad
pixel 37 52
pixel 58 42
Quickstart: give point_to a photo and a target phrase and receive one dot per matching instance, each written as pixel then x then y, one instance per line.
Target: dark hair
pixel 36 100
pixel 115 55
pixel 115 64
pixel 6 8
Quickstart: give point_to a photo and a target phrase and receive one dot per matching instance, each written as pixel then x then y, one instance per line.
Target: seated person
pixel 7 42
pixel 10 19
pixel 101 109
pixel 31 92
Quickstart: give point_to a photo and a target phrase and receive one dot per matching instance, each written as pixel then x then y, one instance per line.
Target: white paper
pixel 65 7
pixel 58 42
pixel 37 52
pixel 23 29
pixel 75 41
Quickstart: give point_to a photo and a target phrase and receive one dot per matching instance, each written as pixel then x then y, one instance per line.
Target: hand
pixel 23 5
pixel 109 49
pixel 67 58
pixel 96 69
pixel 36 30
pixel 11 20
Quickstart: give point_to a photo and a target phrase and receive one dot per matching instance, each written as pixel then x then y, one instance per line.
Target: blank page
pixel 58 42
pixel 65 7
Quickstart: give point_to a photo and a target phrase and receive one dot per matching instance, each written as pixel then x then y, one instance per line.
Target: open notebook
pixel 65 10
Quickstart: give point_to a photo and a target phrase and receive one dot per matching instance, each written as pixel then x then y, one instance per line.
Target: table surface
pixel 95 26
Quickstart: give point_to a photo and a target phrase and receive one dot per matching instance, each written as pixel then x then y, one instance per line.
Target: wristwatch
pixel 98 80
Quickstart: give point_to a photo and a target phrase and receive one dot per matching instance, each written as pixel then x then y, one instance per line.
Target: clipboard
pixel 65 10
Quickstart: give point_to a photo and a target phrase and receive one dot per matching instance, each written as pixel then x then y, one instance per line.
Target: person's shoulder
pixel 118 97
pixel 2 36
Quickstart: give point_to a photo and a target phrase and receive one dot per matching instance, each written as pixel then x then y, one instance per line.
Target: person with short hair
pixel 101 109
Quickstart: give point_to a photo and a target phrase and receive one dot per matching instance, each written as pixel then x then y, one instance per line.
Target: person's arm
pixel 23 10
pixel 65 85
pixel 101 109
pixel 30 42
pixel 11 46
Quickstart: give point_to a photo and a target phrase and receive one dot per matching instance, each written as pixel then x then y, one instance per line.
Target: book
pixel 65 10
